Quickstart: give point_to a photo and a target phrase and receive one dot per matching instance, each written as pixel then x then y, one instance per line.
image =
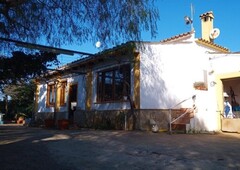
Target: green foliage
pixel 22 98
pixel 22 67
pixel 68 21
pixel 18 115
pixel 16 73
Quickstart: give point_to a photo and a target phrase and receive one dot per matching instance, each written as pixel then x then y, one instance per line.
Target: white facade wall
pixel 81 96
pixel 168 72
pixel 225 63
pixel 81 92
pixel 42 99
pixel 205 118
pixel 207 115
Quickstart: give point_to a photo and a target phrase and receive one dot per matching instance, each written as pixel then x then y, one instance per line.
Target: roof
pixel 130 46
pixel 90 59
pixel 177 37
pixel 199 40
pixel 111 51
pixel 212 45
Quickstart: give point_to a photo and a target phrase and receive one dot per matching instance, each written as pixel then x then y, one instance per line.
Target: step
pixel 179 127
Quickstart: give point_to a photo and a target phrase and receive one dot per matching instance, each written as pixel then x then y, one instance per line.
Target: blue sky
pixel 226 14
pixel 171 23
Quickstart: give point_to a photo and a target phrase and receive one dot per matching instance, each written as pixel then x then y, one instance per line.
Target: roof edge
pixel 178 37
pixel 212 45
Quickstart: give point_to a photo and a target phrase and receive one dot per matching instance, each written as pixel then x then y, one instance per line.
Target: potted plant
pixel 20 118
pixel 63 124
pixel 49 123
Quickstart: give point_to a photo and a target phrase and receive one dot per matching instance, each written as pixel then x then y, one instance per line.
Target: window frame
pixel 103 95
pixel 51 94
pixel 63 93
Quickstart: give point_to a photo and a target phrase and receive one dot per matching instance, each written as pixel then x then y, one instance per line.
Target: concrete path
pixel 42 149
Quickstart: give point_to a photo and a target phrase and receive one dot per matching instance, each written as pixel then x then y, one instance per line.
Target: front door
pixel 72 101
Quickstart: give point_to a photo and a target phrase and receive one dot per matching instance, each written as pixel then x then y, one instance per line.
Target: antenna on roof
pixel 192 13
pixel 189 20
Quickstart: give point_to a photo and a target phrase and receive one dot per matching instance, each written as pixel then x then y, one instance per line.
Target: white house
pixel 138 85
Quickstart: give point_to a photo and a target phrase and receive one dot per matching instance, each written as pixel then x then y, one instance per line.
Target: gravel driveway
pixel 37 148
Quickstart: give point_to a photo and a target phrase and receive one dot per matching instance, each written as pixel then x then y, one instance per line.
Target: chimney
pixel 207 25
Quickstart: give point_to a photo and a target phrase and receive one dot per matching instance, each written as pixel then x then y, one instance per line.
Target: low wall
pixel 161 117
pixel 108 119
pixel 231 125
pixel 115 119
pixel 41 116
pixel 121 119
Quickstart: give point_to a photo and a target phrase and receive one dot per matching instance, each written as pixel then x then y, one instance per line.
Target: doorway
pixel 72 102
pixel 231 88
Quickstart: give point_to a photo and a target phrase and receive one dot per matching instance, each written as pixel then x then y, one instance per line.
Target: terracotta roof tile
pixel 206 13
pixel 176 37
pixel 211 44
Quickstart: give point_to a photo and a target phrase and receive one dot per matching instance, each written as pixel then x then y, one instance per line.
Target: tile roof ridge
pixel 182 35
pixel 212 43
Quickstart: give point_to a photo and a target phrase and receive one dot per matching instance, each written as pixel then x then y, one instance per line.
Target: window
pixel 113 84
pixel 51 95
pixel 63 88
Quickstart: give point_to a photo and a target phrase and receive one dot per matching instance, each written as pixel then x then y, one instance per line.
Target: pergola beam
pixel 44 48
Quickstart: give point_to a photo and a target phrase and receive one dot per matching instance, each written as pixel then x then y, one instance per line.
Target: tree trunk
pixel 6 104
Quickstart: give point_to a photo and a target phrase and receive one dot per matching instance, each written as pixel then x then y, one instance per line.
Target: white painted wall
pixel 42 98
pixel 168 72
pixel 225 63
pixel 81 96
pixel 205 118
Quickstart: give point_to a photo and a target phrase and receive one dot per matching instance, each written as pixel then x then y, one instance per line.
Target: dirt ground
pixel 47 149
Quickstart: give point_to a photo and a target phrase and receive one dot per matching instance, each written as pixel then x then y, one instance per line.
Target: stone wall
pixel 115 119
pixel 41 116
pixel 160 117
pixel 110 119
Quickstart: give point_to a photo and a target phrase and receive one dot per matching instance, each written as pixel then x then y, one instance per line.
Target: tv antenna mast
pixel 189 20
